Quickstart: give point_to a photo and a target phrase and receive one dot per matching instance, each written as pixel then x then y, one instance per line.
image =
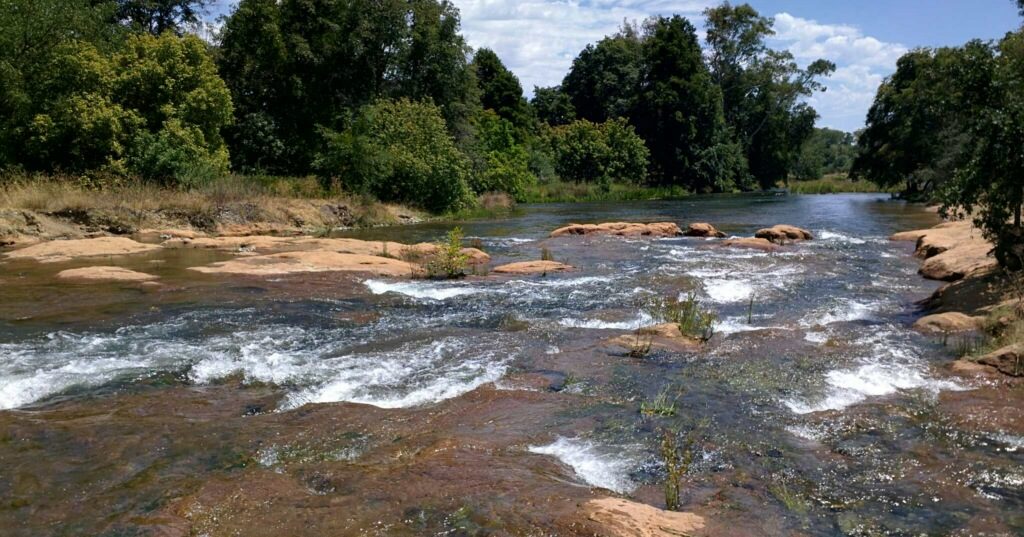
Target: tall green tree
pixel 990 182
pixel 159 16
pixel 500 89
pixel 827 151
pixel 763 90
pixel 552 106
pixel 678 110
pixel 604 79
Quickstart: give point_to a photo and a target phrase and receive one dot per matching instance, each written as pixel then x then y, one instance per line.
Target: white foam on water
pixel 594 465
pixel 841 311
pixel 422 290
pixel 641 320
pixel 413 375
pixel 560 282
pixel 848 387
pixel 735 325
pixel 738 282
pixel 832 236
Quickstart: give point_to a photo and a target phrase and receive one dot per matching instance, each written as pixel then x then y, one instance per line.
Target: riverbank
pixel 980 309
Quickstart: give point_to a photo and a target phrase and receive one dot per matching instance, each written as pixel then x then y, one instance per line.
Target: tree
pixel 400 151
pixel 159 16
pixel 552 106
pixel 602 153
pixel 827 151
pixel 500 89
pixel 990 182
pixel 503 164
pixel 295 66
pixel 678 111
pixel 762 90
pixel 604 79
pixel 916 132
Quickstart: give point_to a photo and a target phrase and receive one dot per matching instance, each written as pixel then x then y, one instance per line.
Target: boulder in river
pixel 946 236
pixel 703 229
pixel 56 251
pixel 623 518
pixel 959 262
pixel 533 267
pixel 1008 360
pixel 746 242
pixel 665 336
pixel 944 323
pixel 624 229
pixel 782 233
pixel 312 261
pixel 99 274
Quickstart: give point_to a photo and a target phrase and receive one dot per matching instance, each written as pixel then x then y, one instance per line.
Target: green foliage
pixel 663 405
pixel 399 151
pixel 294 67
pixel 449 262
pixel 159 16
pixel 503 163
pixel 500 90
pixel 553 106
pixel 676 455
pixel 605 153
pixel 828 151
pixel 832 184
pixel 604 78
pixel 687 313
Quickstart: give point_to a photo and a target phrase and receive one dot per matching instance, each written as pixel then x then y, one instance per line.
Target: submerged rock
pixel 947 322
pixel 55 251
pixel 1008 360
pixel 782 233
pixel 702 229
pixel 623 518
pixel 313 261
pixel 533 267
pixel 96 274
pixel 755 243
pixel 625 229
pixel 665 336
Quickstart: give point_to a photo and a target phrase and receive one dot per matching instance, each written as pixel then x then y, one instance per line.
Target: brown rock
pixel 664 336
pixel 745 242
pixel 1008 360
pixel 781 234
pixel 959 262
pixel 97 274
pixel 625 229
pixel 312 261
pixel 972 369
pixel 533 267
pixel 54 251
pixel 153 235
pixel 702 229
pixel 947 322
pixel 946 236
pixel 623 518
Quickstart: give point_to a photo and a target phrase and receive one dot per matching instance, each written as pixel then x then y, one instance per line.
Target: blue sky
pixel 538 39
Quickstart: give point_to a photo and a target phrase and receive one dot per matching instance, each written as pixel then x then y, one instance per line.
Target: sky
pixel 538 39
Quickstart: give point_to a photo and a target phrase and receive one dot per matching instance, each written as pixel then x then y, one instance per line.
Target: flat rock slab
pixel 764 245
pixel 101 274
pixel 313 261
pixel 55 251
pixel 782 233
pixel 665 336
pixel 533 267
pixel 965 259
pixel 623 518
pixel 941 238
pixel 622 229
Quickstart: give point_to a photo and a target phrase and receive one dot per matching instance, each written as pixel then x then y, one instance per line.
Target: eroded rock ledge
pixel 952 251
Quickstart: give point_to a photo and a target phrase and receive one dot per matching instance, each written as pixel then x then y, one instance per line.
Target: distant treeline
pixel 948 125
pixel 386 98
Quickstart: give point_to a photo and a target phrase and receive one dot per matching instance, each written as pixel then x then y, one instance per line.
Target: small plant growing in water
pixel 449 262
pixel 662 405
pixel 677 457
pixel 546 255
pixel 687 313
pixel 641 345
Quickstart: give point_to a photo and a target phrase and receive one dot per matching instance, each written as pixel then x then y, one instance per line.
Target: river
pixel 494 405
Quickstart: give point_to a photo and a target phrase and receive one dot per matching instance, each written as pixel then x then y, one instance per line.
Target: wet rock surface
pixel 625 229
pixel 337 403
pixel 117 274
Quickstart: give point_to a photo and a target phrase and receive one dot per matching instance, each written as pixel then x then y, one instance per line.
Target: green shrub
pixel 449 262
pixel 602 153
pixel 688 314
pixel 399 151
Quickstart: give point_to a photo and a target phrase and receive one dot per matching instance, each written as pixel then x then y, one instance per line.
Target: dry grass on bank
pixel 290 201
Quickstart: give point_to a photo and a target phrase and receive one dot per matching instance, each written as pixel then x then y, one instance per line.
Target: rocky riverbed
pixel 189 385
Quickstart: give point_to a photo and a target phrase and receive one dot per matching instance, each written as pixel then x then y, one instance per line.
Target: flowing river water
pixel 492 405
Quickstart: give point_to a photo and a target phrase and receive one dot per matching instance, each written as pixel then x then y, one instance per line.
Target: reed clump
pixel 688 313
